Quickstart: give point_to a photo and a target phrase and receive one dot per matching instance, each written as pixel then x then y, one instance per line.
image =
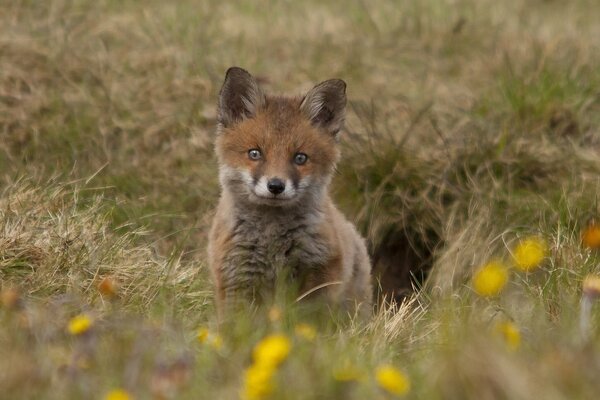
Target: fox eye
pixel 254 154
pixel 300 158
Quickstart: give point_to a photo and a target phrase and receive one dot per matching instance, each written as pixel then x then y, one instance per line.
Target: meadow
pixel 470 162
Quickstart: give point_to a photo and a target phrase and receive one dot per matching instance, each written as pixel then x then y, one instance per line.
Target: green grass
pixel 471 124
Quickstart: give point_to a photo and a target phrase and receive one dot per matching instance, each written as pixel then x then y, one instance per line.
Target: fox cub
pixel 275 220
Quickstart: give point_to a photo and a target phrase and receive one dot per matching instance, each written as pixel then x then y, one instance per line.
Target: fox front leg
pixel 240 291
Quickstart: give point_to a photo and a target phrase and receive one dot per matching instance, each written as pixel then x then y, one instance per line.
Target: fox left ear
pixel 325 105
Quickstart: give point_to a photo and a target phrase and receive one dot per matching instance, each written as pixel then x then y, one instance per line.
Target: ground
pixel 472 132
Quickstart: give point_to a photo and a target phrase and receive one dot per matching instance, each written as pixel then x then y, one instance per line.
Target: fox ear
pixel 325 105
pixel 240 97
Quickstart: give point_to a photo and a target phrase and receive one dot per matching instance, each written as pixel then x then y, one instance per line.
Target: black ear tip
pixel 236 71
pixel 337 84
pixel 342 84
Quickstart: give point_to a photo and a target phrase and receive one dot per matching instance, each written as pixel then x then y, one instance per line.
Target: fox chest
pixel 262 252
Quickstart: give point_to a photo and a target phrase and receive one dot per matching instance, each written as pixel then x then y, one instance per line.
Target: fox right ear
pixel 240 97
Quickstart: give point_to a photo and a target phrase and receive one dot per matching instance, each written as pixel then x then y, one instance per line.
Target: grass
pixel 471 124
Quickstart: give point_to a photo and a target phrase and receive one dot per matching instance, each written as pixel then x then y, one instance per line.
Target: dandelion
pixel 79 325
pixel 392 380
pixel 590 237
pixel 489 280
pixel 204 336
pixel 118 394
pixel 272 350
pixel 529 253
pixel 510 333
pixel 268 354
pixel 258 381
pixel 306 331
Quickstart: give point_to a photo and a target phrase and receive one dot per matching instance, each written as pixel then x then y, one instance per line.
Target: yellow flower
pixel 79 324
pixel 490 279
pixel 529 253
pixel 590 236
pixel 202 335
pixel 306 331
pixel 591 286
pixel 268 354
pixel 392 380
pixel 206 337
pixel 117 394
pixel 272 350
pixel 510 334
pixel 258 381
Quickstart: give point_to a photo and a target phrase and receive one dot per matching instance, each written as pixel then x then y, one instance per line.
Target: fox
pixel 275 220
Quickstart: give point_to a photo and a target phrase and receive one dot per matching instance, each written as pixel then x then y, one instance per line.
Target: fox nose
pixel 276 186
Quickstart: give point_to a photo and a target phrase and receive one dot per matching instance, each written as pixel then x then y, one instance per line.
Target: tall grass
pixel 471 125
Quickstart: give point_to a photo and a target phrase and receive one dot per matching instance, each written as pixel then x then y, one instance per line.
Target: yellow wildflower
pixel 591 286
pixel 392 380
pixel 590 236
pixel 529 253
pixel 202 335
pixel 79 324
pixel 306 331
pixel 206 337
pixel 272 350
pixel 490 279
pixel 258 381
pixel 510 333
pixel 117 394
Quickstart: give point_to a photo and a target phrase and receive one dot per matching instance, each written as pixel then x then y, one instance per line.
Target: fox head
pixel 277 151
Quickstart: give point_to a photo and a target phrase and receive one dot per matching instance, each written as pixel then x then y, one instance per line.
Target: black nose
pixel 276 186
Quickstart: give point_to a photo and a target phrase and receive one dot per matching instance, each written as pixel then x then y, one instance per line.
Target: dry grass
pixel 55 243
pixel 471 124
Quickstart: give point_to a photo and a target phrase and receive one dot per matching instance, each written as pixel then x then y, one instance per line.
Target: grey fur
pixel 268 243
